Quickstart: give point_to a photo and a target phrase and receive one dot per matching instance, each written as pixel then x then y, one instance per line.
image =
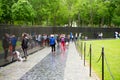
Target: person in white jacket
pixel 17 56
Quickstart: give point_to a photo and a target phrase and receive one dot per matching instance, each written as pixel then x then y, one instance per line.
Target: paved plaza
pixel 43 65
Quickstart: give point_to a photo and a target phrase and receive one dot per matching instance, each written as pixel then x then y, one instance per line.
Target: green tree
pixel 42 8
pixel 83 9
pixel 102 13
pixel 70 4
pixel 116 14
pixel 1 11
pixel 6 8
pixel 23 11
pixel 61 12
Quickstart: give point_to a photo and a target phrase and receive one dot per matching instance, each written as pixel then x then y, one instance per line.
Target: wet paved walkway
pixel 42 65
pixel 30 51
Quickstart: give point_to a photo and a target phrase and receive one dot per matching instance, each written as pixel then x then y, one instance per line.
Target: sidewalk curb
pixel 30 53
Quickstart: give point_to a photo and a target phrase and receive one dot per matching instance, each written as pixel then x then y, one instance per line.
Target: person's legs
pixel 6 54
pixel 54 47
pixel 51 48
pixel 61 46
pixel 25 53
pixel 13 48
pixel 64 46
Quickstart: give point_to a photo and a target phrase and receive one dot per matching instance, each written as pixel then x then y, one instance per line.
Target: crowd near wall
pixel 89 32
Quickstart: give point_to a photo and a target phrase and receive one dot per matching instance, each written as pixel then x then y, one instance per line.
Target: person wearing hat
pixel 52 42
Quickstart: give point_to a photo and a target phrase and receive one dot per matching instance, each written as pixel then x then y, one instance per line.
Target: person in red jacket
pixel 62 39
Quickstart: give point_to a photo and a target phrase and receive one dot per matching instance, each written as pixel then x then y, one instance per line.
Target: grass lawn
pixel 112 54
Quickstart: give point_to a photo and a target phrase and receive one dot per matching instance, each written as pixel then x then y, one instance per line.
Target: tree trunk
pixel 99 22
pixel 47 21
pixel 79 19
pixel 82 23
pixel 102 22
pixel 32 22
pixel 6 21
pixel 54 23
pixel 109 21
pixel 12 21
pixel 69 21
pixel 91 18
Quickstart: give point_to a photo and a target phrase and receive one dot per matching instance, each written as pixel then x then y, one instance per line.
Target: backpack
pixel 62 39
pixel 52 41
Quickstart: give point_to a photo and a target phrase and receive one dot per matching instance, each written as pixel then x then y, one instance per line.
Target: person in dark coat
pixel 25 45
pixel 5 45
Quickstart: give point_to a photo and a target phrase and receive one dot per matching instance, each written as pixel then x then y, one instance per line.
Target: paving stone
pixel 42 65
pixel 51 67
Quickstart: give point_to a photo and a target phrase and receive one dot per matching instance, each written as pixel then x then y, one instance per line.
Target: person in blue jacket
pixel 52 42
pixel 13 42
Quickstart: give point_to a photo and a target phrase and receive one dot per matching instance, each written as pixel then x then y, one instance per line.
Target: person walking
pixel 71 36
pixel 12 47
pixel 13 42
pixel 39 40
pixel 25 45
pixel 52 42
pixel 5 45
pixel 62 39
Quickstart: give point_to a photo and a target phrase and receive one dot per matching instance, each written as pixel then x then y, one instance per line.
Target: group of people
pixel 9 43
pixel 98 35
pixel 61 41
pixel 117 35
pixel 41 39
